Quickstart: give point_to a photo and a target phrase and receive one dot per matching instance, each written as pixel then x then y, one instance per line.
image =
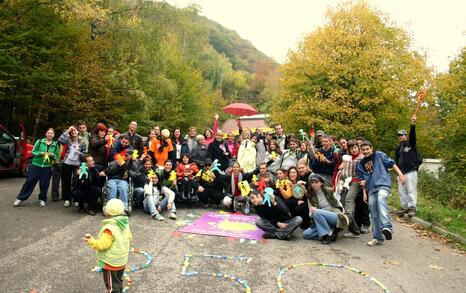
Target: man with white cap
pixel 408 159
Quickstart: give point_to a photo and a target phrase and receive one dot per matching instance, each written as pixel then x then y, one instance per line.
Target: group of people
pixel 314 181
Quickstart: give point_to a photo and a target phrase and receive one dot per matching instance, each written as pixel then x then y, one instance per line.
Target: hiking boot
pixel 172 216
pixel 343 221
pixel 334 235
pixel 387 233
pixel 42 203
pixel 411 212
pixel 268 235
pixel 364 229
pixel 353 228
pixel 401 212
pixel 17 203
pixel 158 217
pixel 327 239
pixel 67 203
pixel 374 242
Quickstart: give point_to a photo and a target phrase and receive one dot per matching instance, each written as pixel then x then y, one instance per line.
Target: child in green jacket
pixel 112 247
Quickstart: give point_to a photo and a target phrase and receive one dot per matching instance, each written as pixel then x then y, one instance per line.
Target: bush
pixel 448 189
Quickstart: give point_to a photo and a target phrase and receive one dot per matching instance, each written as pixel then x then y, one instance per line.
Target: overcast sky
pixel 438 28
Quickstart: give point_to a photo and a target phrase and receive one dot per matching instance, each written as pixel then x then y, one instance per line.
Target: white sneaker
pixel 351 235
pixel 76 204
pixel 42 203
pixel 67 203
pixel 374 242
pixel 158 217
pixel 172 216
pixel 17 203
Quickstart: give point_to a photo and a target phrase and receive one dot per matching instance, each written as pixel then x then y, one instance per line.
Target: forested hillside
pixel 114 61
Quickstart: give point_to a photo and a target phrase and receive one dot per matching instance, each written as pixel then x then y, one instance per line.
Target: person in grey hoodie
pixel 75 151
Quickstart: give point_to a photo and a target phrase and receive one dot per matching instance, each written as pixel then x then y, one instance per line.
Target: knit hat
pixel 114 207
pixel 165 133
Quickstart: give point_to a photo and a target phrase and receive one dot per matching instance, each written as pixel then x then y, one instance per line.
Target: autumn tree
pixel 354 76
pixel 450 90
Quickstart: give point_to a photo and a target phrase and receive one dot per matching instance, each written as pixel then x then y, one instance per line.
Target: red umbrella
pixel 240 109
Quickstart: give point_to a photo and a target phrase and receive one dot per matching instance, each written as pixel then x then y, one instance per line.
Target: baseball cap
pixel 402 132
pixel 317 177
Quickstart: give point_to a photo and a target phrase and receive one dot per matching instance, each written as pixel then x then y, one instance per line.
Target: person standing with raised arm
pixel 408 159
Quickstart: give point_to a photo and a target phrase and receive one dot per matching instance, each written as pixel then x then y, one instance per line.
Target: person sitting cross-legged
pixel 275 218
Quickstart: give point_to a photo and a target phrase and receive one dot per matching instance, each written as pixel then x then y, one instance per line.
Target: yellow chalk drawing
pixel 235 226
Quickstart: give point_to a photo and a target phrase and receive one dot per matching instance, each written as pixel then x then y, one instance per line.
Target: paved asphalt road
pixel 41 249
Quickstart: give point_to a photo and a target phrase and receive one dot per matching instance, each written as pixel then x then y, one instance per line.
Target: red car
pixel 15 152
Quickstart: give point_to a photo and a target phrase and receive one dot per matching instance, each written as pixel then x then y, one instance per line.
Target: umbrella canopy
pixel 240 109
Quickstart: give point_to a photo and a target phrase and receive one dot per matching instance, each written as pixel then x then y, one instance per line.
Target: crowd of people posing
pixel 315 182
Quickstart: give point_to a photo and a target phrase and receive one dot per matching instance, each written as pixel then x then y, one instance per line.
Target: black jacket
pixel 407 156
pixel 274 213
pixel 135 141
pixel 216 153
pixel 98 150
pixel 115 171
pixel 85 182
pixel 321 167
pixel 184 150
pixel 198 155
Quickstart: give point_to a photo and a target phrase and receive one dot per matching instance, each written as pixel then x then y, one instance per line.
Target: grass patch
pixel 440 202
pixel 451 219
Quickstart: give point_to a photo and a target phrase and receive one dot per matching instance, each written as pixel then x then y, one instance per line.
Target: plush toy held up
pixel 268 193
pixel 215 166
pixel 244 188
pixel 84 172
pixel 46 158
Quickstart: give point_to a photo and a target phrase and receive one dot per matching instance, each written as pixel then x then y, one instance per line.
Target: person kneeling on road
pixel 325 212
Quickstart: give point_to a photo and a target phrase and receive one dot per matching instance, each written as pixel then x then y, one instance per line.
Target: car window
pixel 4 137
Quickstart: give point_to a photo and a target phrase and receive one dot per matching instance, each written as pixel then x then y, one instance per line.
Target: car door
pixel 8 147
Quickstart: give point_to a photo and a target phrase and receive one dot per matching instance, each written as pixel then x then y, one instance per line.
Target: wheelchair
pixel 104 195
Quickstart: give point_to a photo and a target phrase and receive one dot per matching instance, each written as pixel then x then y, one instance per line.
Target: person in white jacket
pixel 247 152
pixel 158 197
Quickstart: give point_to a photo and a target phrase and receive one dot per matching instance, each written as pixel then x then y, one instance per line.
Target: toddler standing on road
pixel 113 245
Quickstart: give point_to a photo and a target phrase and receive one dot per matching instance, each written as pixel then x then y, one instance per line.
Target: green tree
pixel 450 90
pixel 354 76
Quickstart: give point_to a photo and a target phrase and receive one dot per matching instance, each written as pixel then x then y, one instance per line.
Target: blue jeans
pixel 138 193
pixel 151 205
pixel 36 174
pixel 380 213
pixel 120 187
pixel 324 221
